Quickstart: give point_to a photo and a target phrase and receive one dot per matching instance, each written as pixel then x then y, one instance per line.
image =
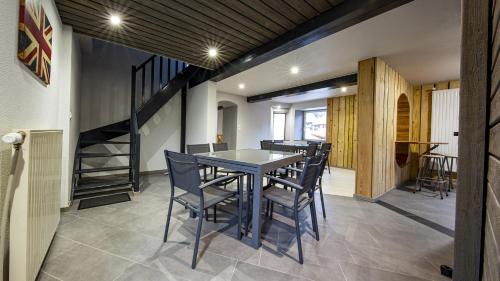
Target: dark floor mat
pixel 103 200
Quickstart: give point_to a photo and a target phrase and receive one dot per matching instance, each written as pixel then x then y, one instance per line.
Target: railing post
pixel 132 122
pixel 137 162
pixel 152 78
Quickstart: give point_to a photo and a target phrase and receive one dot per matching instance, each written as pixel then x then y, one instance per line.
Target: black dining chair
pixel 319 184
pixel 326 148
pixel 197 196
pixel 301 196
pixel 266 145
pixel 200 148
pixel 223 147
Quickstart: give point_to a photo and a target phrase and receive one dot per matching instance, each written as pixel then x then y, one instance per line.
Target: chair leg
pixel 168 219
pixel 215 213
pixel 197 241
pixel 268 203
pixel 271 211
pixel 321 198
pixel 314 218
pixel 205 174
pixel 206 214
pixel 297 232
pixel 329 167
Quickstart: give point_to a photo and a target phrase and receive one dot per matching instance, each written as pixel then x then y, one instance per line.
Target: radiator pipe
pixel 16 140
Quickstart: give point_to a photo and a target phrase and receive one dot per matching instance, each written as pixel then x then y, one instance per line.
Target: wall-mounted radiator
pixel 35 207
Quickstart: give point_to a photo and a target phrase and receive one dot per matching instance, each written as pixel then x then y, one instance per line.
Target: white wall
pixel 201 114
pixel 230 126
pixel 253 120
pixel 26 101
pixel 106 70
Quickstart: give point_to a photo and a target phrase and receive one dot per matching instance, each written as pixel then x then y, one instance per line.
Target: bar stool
pixel 426 173
pixel 450 161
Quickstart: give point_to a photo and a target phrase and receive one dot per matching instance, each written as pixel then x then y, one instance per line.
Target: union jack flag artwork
pixel 35 39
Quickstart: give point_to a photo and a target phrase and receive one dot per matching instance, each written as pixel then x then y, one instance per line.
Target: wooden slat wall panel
pixel 491 252
pixel 381 103
pixel 366 92
pixel 341 131
pixel 355 134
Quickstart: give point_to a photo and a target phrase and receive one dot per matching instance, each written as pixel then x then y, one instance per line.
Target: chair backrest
pixel 289 148
pixel 198 148
pixel 326 147
pixel 220 146
pixel 324 162
pixel 266 145
pixel 183 171
pixel 311 149
pixel 277 147
pixel 310 174
pixel 278 141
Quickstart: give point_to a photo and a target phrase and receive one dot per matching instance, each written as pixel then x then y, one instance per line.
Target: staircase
pixel 153 84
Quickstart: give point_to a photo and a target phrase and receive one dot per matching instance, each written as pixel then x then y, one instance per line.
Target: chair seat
pixel 212 196
pixel 284 197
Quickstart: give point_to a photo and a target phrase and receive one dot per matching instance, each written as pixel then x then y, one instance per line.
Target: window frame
pixel 304 124
pixel 284 125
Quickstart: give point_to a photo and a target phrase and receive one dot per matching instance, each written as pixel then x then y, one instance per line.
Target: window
pixel 279 126
pixel 315 125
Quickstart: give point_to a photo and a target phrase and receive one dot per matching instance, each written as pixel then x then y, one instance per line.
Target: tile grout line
pixel 53 276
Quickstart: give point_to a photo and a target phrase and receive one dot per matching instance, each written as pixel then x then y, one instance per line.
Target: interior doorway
pixel 227 123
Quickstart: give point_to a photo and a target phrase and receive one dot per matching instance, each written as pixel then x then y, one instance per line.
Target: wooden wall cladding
pixel 491 266
pixel 342 131
pixel 379 89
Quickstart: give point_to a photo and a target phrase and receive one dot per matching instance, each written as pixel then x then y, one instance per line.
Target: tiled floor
pixel 426 204
pixel 339 182
pixel 359 241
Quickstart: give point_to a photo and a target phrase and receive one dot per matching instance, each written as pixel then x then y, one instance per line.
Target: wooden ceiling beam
pixel 338 82
pixel 340 17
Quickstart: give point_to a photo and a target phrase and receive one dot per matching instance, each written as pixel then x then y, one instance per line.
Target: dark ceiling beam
pixel 340 17
pixel 343 81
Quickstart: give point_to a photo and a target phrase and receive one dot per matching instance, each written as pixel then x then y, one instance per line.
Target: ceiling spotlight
pixel 343 89
pixel 294 69
pixel 212 52
pixel 241 86
pixel 278 107
pixel 115 20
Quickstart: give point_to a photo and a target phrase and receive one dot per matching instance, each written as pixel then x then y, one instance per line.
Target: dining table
pixel 255 163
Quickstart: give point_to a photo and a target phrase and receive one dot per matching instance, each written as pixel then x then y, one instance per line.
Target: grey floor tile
pixel 131 245
pixel 139 272
pixel 248 272
pixel 85 263
pixel 59 246
pixel 175 260
pixel 42 276
pixel 354 272
pixel 85 231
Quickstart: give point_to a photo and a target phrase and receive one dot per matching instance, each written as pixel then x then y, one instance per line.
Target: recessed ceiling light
pixel 294 69
pixel 241 86
pixel 115 20
pixel 278 107
pixel 343 89
pixel 212 52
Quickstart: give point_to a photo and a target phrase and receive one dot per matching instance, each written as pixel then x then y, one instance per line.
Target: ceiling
pixel 186 29
pixel 421 40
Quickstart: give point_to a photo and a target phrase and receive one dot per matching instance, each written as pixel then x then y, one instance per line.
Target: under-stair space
pixel 107 159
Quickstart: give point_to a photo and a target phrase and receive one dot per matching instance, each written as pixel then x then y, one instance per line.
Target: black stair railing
pixel 147 79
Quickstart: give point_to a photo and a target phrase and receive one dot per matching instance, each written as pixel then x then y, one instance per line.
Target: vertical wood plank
pixel 340 151
pixel 454 84
pixel 473 123
pixel 335 132
pixel 329 125
pixel 442 85
pixel 425 115
pixel 355 134
pixel 378 128
pixel 366 91
pixel 350 131
pixel 415 131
